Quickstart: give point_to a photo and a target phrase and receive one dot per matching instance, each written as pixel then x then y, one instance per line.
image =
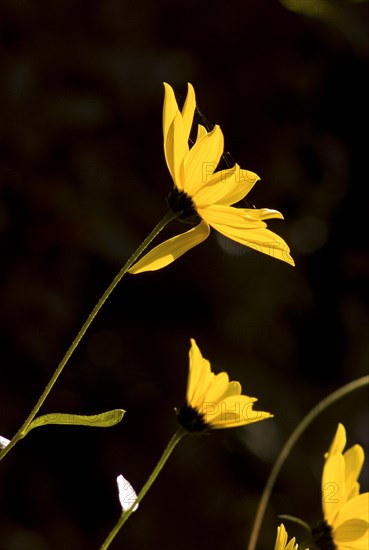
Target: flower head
pixel 203 195
pixel 212 401
pixel 281 542
pixel 345 510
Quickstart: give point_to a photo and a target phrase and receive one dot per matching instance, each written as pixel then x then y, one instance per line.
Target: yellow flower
pixel 282 538
pixel 212 401
pixel 203 196
pixel 345 510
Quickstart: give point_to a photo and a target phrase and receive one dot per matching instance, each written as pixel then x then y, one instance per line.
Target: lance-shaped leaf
pixel 102 420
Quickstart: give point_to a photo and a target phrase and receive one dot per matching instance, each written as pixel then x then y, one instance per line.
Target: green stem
pixel 169 216
pixel 305 422
pixel 125 515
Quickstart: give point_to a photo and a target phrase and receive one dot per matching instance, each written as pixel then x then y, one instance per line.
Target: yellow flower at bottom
pixel 203 196
pixel 345 510
pixel 282 543
pixel 212 401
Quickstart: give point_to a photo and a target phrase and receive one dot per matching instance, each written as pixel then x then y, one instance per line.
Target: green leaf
pixel 102 420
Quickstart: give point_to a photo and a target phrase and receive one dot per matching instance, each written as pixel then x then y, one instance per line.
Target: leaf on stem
pixel 102 420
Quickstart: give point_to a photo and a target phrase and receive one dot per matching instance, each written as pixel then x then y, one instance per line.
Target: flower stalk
pixel 126 514
pixel 296 434
pixel 169 216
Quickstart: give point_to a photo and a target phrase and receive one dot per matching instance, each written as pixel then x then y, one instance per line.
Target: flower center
pixel 182 204
pixel 192 420
pixel 322 536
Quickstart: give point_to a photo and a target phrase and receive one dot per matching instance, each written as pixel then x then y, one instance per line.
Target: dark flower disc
pixel 192 420
pixel 322 536
pixel 180 203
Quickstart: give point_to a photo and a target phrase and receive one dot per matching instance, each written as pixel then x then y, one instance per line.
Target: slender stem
pixel 305 422
pixel 125 515
pixel 23 430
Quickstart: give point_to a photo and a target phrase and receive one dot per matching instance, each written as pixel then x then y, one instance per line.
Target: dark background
pixel 83 181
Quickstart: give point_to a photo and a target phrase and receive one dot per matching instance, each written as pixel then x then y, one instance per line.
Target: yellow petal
pixel 238 217
pixel 176 148
pixel 281 540
pixel 339 441
pixel 200 377
pixel 218 387
pixel 233 388
pixel 359 544
pixel 350 531
pixel 209 402
pixel 354 460
pixel 225 187
pixel 230 216
pixel 170 109
pixel 165 253
pixel 354 492
pixel 333 487
pixel 234 411
pixel 188 111
pixel 201 131
pixel 195 368
pixel 203 156
pixel 251 233
pixel 355 508
pixel 204 382
pixel 264 214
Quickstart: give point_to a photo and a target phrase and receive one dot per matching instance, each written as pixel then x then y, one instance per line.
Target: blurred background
pixel 83 181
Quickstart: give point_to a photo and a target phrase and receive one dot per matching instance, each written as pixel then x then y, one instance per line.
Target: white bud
pixel 127 495
pixel 3 442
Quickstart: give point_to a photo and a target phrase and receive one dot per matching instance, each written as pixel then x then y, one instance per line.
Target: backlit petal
pixel 218 387
pixel 354 491
pixel 188 112
pixel 233 388
pixel 226 187
pixel 357 507
pixel 264 214
pixel 236 410
pixel 281 540
pixel 339 441
pixel 350 531
pixel 195 369
pixel 165 253
pixel 333 487
pixel 292 545
pixel 201 131
pixel 200 377
pixel 354 460
pixel 176 149
pixel 170 109
pixel 251 233
pixel 202 160
pixel 228 215
pixel 359 544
